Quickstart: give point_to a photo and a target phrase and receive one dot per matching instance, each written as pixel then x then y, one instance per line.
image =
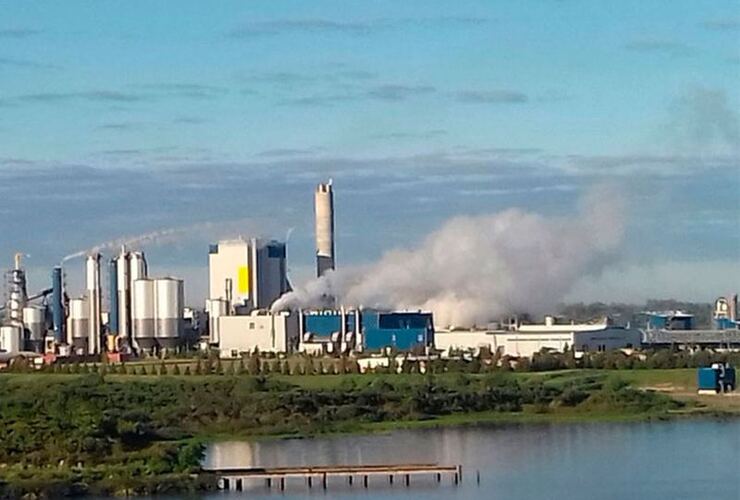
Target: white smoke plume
pixel 163 236
pixel 151 237
pixel 475 269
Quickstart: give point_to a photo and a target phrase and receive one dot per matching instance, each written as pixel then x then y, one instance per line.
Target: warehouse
pixel 526 340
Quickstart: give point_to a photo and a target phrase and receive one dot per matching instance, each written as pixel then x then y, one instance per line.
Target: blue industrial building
pixel 320 325
pixel 404 331
pixel 368 329
pixel 670 320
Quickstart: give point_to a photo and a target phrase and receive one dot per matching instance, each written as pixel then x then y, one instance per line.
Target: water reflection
pixel 670 460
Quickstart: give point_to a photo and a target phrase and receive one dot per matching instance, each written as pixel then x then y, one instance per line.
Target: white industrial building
pixel 247 274
pixel 245 278
pixel 261 331
pixel 526 340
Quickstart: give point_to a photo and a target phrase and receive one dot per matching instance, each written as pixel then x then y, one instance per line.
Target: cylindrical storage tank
pixel 34 320
pixel 93 303
pixel 79 323
pixel 215 309
pixel 170 303
pixel 11 337
pixel 124 296
pixel 143 300
pixel 57 305
pixel 113 325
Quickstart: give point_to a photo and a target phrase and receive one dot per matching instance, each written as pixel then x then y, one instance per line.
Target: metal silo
pixel 93 303
pixel 144 307
pixel 34 320
pixel 79 324
pixel 11 337
pixel 169 307
pixel 124 296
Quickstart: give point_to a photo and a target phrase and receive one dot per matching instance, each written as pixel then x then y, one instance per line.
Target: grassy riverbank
pixel 121 434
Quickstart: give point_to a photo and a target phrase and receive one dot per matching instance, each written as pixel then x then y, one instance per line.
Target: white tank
pixel 93 303
pixel 170 303
pixel 215 309
pixel 124 298
pixel 79 323
pixel 11 337
pixel 144 307
pixel 34 320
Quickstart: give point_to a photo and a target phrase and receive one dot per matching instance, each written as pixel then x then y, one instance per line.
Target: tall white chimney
pixel 324 208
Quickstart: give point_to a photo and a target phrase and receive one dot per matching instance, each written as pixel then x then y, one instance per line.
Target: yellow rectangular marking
pixel 243 279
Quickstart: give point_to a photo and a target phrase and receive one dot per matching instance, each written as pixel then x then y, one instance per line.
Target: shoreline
pixel 487 419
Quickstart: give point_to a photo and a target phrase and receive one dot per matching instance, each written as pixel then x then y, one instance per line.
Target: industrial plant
pixel 138 315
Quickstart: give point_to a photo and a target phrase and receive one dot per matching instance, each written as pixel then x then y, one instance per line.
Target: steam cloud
pixel 476 269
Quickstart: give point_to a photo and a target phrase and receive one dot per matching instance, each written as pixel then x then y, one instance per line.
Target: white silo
pixel 169 311
pixel 11 338
pixel 93 303
pixel 137 269
pixel 123 282
pixel 143 309
pixel 34 321
pixel 324 211
pixel 79 324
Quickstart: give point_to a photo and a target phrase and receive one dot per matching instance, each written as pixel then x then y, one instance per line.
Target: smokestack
pixel 324 207
pixel 57 305
pixel 93 302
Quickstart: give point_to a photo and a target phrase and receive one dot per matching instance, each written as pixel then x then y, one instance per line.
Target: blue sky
pixel 120 118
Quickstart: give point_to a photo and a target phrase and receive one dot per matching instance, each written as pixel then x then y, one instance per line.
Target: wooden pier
pixel 237 479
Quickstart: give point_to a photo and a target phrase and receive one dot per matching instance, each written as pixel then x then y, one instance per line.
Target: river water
pixel 694 459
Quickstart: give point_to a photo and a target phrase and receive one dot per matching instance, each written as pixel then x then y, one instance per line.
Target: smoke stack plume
pixel 324 208
pixel 475 269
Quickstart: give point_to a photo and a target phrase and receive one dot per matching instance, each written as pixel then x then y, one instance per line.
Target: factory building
pixel 526 340
pixel 330 331
pixel 245 278
pixel 341 331
pixel 675 328
pixel 247 275
pixel 258 331
pixel 669 320
pixel 403 331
